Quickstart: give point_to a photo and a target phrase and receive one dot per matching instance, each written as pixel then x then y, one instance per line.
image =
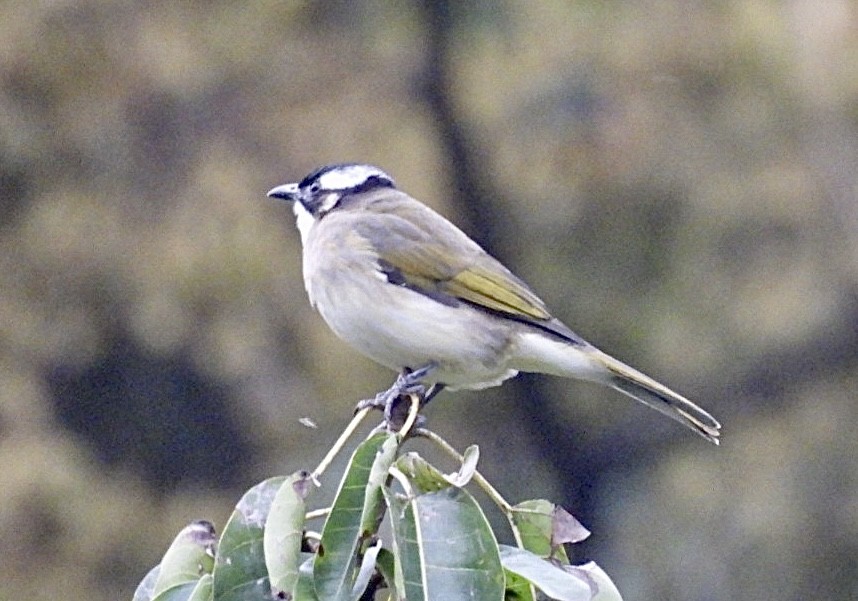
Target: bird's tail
pixel 661 398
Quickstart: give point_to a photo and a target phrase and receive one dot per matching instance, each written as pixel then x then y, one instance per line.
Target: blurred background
pixel 677 179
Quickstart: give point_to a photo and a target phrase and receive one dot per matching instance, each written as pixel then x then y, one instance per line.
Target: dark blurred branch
pixel 480 201
pixel 476 191
pixel 833 351
pixel 478 198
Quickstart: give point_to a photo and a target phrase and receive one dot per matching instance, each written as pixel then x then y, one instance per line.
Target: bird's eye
pixel 315 187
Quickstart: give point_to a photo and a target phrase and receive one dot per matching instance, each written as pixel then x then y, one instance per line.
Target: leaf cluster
pixel 441 546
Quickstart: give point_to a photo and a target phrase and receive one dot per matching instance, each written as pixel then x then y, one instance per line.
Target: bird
pixel 408 289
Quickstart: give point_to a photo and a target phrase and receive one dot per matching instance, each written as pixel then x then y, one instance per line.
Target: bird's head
pixel 322 190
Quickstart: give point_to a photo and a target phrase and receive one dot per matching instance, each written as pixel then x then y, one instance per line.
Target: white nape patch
pixel 349 176
pixel 304 220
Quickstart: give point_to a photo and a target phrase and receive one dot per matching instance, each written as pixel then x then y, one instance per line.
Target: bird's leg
pixel 407 382
pixel 431 393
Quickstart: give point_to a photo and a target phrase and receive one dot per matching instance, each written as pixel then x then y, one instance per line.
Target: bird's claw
pixel 407 383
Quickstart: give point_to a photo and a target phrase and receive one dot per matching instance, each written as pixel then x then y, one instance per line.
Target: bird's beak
pixel 287 192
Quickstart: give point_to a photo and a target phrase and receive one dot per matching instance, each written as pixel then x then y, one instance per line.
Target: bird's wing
pixel 422 251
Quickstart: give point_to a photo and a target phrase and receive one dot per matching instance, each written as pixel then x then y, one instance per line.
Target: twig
pixel 413 412
pixel 317 513
pixel 339 444
pixel 484 484
pixel 490 490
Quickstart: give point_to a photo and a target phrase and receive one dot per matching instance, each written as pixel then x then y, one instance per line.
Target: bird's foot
pixel 390 401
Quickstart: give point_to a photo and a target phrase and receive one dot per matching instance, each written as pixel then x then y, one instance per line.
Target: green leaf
pixel 373 506
pixel 469 466
pixel 240 573
pixel 518 588
pixel 385 562
pixel 190 556
pixel 144 590
pixel 445 547
pixel 423 476
pixel 534 520
pixel 408 568
pixel 203 591
pixel 367 569
pixel 305 589
pixel 284 530
pixel 606 590
pixel 353 518
pixel 179 592
pixel 551 579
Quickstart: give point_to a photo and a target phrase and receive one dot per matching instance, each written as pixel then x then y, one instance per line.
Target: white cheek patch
pixel 303 220
pixel 328 202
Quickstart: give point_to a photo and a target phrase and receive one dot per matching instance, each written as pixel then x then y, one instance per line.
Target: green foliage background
pixel 676 179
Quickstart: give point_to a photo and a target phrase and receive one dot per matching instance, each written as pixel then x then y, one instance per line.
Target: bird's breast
pixel 399 327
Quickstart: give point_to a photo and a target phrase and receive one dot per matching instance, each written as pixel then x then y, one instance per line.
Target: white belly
pixel 399 328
